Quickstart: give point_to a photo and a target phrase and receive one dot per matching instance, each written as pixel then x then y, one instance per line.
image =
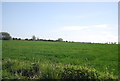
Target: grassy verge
pixel 16 69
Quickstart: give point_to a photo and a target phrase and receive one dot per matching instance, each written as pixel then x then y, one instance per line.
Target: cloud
pixel 101 26
pixel 74 28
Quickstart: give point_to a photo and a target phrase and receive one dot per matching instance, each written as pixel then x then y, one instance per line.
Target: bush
pixel 14 69
pixel 20 70
pixel 85 73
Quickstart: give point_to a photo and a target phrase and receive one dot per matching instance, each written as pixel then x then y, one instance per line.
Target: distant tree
pixel 50 40
pixel 14 38
pixel 44 40
pixel 60 39
pixel 38 39
pixel 66 41
pixel 112 43
pixel 0 36
pixel 30 39
pixel 33 37
pixel 115 42
pixel 41 39
pixel 26 39
pixel 19 38
pixel 5 36
pixel 106 43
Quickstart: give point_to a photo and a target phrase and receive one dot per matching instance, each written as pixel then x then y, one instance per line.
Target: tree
pixel 38 39
pixel 26 39
pixel 0 36
pixel 19 38
pixel 33 37
pixel 14 38
pixel 60 39
pixel 5 36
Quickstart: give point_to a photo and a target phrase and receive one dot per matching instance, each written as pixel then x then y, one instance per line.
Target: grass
pixel 103 58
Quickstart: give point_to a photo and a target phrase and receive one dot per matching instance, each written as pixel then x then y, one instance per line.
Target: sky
pixel 72 21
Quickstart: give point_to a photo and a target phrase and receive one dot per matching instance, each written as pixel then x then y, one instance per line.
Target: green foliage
pixel 83 72
pixel 79 73
pixel 21 69
pixel 39 59
pixel 60 39
pixel 33 37
pixel 5 36
pixel 36 70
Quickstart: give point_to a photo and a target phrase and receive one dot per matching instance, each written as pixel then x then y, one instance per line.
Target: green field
pixel 20 56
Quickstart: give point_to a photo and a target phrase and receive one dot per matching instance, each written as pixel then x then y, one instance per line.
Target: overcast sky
pixel 72 21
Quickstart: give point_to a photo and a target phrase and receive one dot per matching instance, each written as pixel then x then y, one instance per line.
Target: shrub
pixel 83 72
pixel 14 69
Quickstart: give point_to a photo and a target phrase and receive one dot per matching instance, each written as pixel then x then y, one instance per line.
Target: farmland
pixel 19 57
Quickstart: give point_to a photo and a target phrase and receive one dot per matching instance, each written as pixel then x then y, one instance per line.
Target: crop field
pixel 58 60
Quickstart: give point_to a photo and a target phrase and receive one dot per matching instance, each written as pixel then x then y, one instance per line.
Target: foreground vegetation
pixel 14 69
pixel 59 60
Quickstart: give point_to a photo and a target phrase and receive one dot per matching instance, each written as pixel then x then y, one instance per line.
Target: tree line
pixel 7 36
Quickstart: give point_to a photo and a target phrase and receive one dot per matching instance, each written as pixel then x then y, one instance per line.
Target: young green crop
pixel 97 56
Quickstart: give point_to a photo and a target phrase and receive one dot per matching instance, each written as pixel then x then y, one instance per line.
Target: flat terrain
pixel 102 57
